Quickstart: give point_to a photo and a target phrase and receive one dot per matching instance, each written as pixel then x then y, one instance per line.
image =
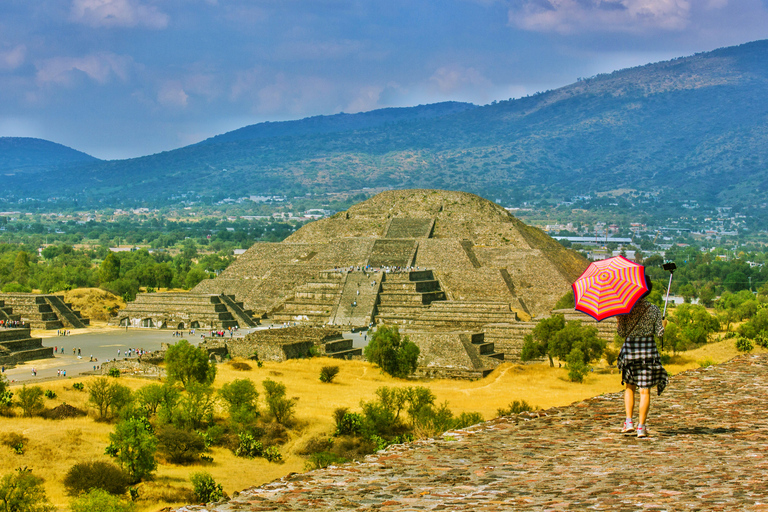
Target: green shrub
pixel 761 339
pixel 327 373
pixel 50 394
pixel 467 419
pixel 515 407
pixel 114 372
pixel 272 454
pixel 79 386
pixel 705 363
pixel 21 491
pixel 280 407
pixel 15 442
pixel 180 446
pixel 30 399
pixel 744 344
pixel 321 460
pixel 248 446
pixel 133 445
pixel 577 368
pixel 108 396
pixel 85 476
pixel 241 398
pixel 205 487
pixel 349 424
pixel 394 355
pixel 101 501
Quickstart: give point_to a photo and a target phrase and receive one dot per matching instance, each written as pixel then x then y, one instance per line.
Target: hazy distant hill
pixel 694 127
pixel 24 154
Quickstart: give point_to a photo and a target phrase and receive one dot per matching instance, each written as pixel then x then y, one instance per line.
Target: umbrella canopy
pixel 609 287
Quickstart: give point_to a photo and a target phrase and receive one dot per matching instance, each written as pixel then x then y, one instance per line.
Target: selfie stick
pixel 671 267
pixel 669 286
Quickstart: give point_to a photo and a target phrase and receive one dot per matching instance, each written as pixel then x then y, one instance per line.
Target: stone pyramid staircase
pixel 6 312
pixel 189 310
pixel 44 311
pixel 17 346
pixel 315 302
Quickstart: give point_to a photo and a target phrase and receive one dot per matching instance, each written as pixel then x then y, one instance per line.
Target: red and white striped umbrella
pixel 609 287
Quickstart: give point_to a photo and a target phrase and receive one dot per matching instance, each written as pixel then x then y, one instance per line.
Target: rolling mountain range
pixel 693 128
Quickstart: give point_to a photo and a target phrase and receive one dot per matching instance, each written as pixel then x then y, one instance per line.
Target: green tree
pixel 576 337
pixel 185 363
pixel 108 396
pixel 99 500
pixel 158 396
pixel 695 325
pixel 21 267
pixel 30 399
pixel 280 407
pixel 110 269
pixel 756 326
pixel 193 277
pixel 536 344
pixel 134 447
pixel 21 491
pixel 395 355
pixel 241 398
pixel 706 296
pixel 566 301
pixel 195 408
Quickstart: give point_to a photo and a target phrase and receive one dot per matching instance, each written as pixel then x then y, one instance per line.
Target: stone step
pixel 338 346
pixel 29 355
pixel 417 286
pixel 13 334
pixel 347 354
pixel 393 297
pixel 22 344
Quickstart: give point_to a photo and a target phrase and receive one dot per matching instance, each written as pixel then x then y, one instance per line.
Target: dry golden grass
pixel 56 445
pixel 93 303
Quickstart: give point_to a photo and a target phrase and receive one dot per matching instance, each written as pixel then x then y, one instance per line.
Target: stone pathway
pixel 707 450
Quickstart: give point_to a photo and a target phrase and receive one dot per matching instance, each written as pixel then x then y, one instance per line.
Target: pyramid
pixel 421 259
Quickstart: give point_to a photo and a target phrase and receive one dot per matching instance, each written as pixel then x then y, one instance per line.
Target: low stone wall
pixel 134 367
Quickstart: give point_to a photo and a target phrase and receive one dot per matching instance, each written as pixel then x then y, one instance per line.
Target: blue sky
pixel 124 78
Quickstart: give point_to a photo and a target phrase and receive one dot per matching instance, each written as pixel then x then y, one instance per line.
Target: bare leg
pixel 645 404
pixel 629 399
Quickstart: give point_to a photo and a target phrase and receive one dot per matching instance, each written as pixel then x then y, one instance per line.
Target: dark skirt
pixel 640 364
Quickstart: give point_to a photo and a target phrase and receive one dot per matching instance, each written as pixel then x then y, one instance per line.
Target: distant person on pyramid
pixel 639 360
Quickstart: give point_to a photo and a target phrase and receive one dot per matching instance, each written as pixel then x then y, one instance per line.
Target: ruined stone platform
pixel 707 450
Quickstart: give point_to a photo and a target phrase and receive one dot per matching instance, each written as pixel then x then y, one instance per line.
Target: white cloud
pixel 171 94
pixel 12 59
pixel 569 16
pixel 367 98
pixel 100 67
pixel 449 79
pixel 117 13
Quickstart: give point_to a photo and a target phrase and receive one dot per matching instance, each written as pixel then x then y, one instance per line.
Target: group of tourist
pixel 13 324
pixel 63 332
pixel 222 333
pixel 132 352
pixel 369 268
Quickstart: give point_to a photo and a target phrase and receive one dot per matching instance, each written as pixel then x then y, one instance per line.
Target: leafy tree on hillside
pixel 134 446
pixel 110 269
pixel 536 344
pixel 21 491
pixel 395 355
pixel 186 364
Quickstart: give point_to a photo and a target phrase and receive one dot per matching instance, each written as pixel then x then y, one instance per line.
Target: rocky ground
pixel 707 450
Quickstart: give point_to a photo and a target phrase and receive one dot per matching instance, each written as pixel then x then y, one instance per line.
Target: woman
pixel 639 360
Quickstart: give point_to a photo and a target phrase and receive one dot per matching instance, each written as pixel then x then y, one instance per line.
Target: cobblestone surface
pixel 707 450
